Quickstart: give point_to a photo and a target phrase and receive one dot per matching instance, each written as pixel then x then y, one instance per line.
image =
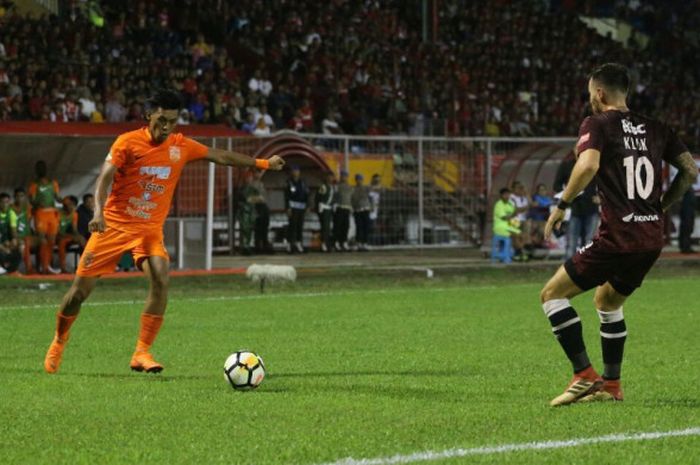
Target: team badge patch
pixel 174 153
pixel 88 258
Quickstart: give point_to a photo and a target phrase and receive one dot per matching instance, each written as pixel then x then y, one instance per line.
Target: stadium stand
pixel 490 68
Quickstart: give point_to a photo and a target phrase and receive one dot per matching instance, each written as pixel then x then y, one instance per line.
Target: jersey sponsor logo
pixel 136 213
pixel 632 218
pixel 152 187
pixel 628 127
pixel 583 139
pixel 143 204
pixel 159 172
pixel 174 154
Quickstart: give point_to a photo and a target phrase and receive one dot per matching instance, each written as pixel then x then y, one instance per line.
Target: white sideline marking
pixel 504 448
pixel 261 296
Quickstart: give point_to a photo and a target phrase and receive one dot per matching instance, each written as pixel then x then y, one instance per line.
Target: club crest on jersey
pixel 630 128
pixel 160 172
pixel 583 139
pixel 174 153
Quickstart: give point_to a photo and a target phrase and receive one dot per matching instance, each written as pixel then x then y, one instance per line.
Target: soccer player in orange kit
pixel 143 167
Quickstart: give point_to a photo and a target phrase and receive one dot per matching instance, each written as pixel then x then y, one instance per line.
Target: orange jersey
pixel 146 177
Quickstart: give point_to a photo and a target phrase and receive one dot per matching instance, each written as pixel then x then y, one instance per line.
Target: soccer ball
pixel 244 370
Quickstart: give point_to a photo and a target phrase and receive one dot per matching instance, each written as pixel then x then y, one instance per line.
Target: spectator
pixel 505 224
pixel 261 128
pixel 86 211
pixel 330 125
pixel 9 250
pixel 343 208
pixel 539 212
pixel 361 205
pixel 687 222
pixel 522 240
pixel 250 125
pixel 375 189
pixel 257 195
pixel 325 204
pixel 296 200
pixel 68 230
pixel 584 210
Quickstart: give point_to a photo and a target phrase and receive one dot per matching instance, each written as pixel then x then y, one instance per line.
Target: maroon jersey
pixel 632 148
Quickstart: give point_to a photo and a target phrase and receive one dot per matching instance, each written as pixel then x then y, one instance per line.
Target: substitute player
pixel 624 151
pixel 143 168
pixel 43 195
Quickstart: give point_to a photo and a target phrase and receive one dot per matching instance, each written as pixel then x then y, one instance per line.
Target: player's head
pixel 4 201
pixel 296 172
pixel 359 179
pixel 608 85
pixel 504 193
pixel 40 169
pixel 162 110
pixel 70 202
pixel 20 196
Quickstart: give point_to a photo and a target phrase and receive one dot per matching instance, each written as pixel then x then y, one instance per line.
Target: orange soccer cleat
pixel 611 390
pixel 143 361
pixel 584 383
pixel 53 356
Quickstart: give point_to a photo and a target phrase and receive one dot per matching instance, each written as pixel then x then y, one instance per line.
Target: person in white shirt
pixel 521 241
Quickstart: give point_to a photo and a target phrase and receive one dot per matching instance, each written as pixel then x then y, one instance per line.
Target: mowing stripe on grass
pixel 504 448
pixel 263 296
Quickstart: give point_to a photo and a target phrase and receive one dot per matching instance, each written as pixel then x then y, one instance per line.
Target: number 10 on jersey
pixel 636 185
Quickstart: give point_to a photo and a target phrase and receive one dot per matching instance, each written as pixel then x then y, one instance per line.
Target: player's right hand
pixel 97 224
pixel 554 222
pixel 276 162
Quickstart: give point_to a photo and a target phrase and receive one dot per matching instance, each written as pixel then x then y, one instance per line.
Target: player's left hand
pixel 554 222
pixel 276 162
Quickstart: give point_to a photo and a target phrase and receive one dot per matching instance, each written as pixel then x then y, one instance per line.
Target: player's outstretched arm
pixel 686 176
pixel 104 180
pixel 583 173
pixel 224 157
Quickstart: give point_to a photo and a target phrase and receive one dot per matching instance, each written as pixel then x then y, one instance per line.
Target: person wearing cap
pixel 343 208
pixel 361 206
pixel 296 196
pixel 325 204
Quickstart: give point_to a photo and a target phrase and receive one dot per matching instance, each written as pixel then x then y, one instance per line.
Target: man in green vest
pixel 503 226
pixel 25 236
pixel 9 252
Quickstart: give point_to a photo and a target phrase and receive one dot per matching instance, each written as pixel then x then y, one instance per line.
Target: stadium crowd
pixel 490 68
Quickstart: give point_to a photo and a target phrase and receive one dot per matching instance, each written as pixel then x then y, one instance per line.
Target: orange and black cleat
pixel 143 361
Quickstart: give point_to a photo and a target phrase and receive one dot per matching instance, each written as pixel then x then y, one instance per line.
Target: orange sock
pixel 63 324
pixel 150 325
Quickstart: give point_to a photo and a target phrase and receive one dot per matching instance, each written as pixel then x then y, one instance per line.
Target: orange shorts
pixel 104 250
pixel 46 221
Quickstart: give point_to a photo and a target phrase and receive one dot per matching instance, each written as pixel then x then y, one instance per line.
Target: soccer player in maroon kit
pixel 624 151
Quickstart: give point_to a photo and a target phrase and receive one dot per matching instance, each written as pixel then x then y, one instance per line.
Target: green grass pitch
pixel 364 369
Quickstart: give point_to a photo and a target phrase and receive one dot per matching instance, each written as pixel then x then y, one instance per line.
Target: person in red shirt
pixel 143 168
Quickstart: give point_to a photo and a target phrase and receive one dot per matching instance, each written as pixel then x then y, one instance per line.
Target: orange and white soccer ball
pixel 244 370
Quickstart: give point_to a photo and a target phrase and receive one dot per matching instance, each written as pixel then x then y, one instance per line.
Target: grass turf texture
pixel 362 367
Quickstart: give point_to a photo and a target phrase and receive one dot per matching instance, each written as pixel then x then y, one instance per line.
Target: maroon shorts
pixel 596 265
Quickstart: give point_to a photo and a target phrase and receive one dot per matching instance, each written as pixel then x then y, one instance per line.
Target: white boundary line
pixel 296 295
pixel 505 448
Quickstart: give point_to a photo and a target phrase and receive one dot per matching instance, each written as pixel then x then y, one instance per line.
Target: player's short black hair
pixel 503 190
pixel 614 76
pixel 167 99
pixel 4 195
pixel 86 197
pixel 20 190
pixel 73 199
